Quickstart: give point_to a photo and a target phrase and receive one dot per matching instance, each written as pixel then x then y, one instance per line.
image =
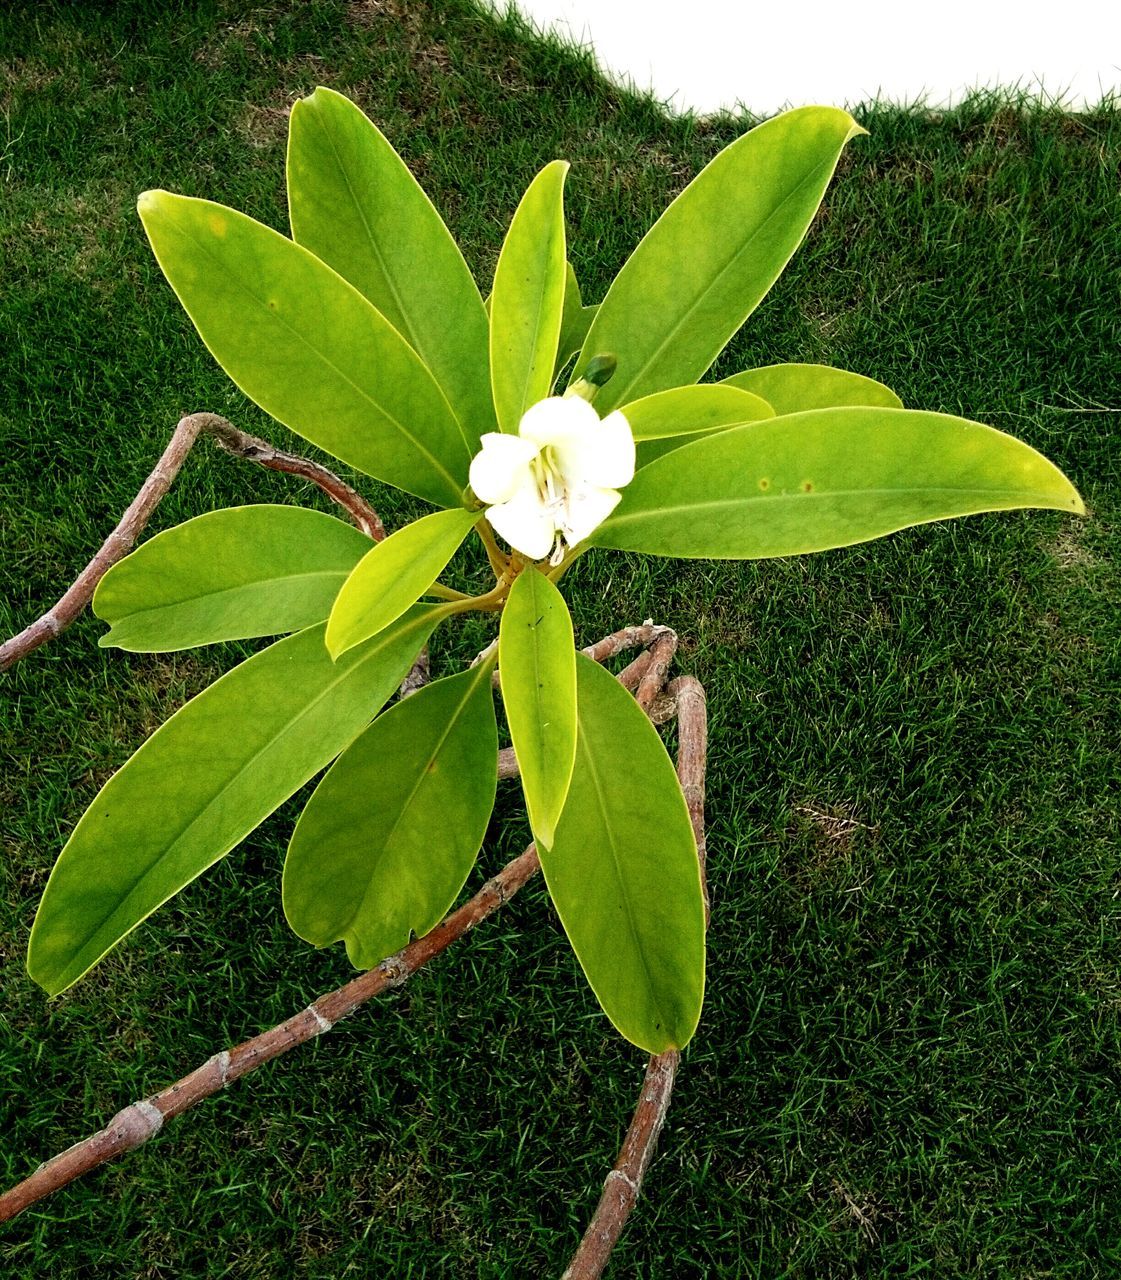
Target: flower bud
pixel 598 371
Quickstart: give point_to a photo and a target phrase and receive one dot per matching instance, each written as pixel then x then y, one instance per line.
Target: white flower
pixel 558 478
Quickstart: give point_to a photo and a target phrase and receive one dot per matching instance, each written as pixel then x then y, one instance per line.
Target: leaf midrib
pixel 411 337
pixel 543 751
pixel 393 581
pixel 528 379
pixel 282 580
pixel 422 774
pixel 715 504
pixel 620 881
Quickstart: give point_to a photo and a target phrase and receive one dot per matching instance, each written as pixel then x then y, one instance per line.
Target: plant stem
pixel 570 557
pixel 441 592
pixel 499 562
pixel 623 1184
pixel 489 602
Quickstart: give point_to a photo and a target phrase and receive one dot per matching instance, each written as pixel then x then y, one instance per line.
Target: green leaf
pixel 694 409
pixel 393 575
pixel 793 388
pixel 537 664
pixel 528 299
pixel 228 575
pixel 354 204
pixel 575 321
pixel 711 257
pixel 307 347
pixel 826 478
pixel 391 833
pixel 623 871
pixel 204 780
pixel 668 419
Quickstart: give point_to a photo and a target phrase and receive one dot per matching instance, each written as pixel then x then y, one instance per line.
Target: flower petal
pixel 553 420
pixel 585 509
pixel 607 460
pixel 596 453
pixel 525 522
pixel 502 466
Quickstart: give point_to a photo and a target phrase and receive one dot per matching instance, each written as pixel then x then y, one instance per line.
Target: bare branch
pixel 133 1126
pixel 623 1184
pixel 625 638
pixel 243 445
pixel 418 675
pixel 120 542
pixel 653 678
pixel 115 547
pixel 507 763
pixel 688 695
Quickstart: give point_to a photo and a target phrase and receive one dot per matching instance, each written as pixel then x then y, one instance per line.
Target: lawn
pixel 907 1064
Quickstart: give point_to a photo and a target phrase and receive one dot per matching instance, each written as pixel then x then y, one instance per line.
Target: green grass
pixel 907 1062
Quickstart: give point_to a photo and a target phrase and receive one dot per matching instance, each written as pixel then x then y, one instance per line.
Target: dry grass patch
pixel 861 1210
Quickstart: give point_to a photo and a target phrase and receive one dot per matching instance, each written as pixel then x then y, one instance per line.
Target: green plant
pixel 366 334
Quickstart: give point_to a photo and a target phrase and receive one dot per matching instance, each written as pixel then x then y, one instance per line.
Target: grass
pixel 907 1062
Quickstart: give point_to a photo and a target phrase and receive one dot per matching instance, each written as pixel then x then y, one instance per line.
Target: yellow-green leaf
pixel 666 420
pixel 711 257
pixel 353 202
pixel 793 388
pixel 623 871
pixel 683 411
pixel 826 478
pixel 389 836
pixel 575 321
pixel 393 575
pixel 307 347
pixel 204 780
pixel 537 665
pixel 528 299
pixel 228 575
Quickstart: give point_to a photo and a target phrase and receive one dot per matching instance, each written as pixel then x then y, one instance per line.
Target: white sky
pixel 707 54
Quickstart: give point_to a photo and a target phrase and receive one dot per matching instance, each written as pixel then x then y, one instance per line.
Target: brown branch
pixel 117 545
pixel 625 638
pixel 135 1124
pixel 688 695
pixel 243 445
pixel 624 1183
pixel 653 679
pixel 418 675
pixel 633 672
pixel 120 542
